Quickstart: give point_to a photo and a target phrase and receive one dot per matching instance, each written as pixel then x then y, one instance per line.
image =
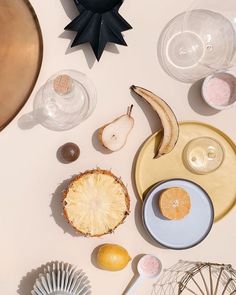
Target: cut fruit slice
pixel 96 202
pixel 114 135
pixel 174 203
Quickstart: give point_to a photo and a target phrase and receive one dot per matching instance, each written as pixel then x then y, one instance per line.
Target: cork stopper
pixel 62 84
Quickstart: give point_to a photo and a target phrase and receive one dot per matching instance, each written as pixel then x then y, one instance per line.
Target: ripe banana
pixel 167 117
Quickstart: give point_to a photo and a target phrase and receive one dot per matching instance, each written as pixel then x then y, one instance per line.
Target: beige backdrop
pixel 32 229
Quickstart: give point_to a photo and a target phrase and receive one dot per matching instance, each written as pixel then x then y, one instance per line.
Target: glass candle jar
pixel 203 155
pixel 66 99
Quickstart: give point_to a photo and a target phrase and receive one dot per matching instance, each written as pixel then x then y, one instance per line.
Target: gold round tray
pixel 220 184
pixel 21 50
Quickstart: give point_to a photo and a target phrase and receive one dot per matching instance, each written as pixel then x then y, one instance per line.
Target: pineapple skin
pixel 91 172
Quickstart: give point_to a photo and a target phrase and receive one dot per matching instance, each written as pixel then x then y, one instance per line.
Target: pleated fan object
pixel 60 278
pixel 98 23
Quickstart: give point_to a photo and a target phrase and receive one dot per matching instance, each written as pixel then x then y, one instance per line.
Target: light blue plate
pixel 184 233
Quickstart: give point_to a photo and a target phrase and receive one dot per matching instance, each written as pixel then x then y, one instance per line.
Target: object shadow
pixel 98 145
pixel 134 266
pixel 72 11
pixel 33 118
pixel 69 8
pixel 139 206
pixel 86 48
pixel 149 113
pixel 27 282
pixel 26 121
pixel 156 208
pixel 111 47
pixel 57 208
pixel 93 257
pixel 196 101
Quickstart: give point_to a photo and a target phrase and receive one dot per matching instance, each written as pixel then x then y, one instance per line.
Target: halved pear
pixel 114 135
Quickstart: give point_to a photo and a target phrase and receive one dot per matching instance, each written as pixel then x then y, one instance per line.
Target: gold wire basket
pixel 198 278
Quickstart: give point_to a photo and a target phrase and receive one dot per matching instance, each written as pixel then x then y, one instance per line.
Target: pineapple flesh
pixel 96 202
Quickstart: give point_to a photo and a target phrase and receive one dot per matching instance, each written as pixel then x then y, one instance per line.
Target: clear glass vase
pixel 200 41
pixel 66 99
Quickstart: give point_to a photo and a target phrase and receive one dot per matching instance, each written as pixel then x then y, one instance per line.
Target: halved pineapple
pixel 96 202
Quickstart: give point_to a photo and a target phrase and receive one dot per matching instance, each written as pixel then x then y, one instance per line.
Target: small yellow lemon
pixel 112 257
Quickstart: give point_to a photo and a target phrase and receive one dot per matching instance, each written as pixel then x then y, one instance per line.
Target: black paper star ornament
pixel 98 23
